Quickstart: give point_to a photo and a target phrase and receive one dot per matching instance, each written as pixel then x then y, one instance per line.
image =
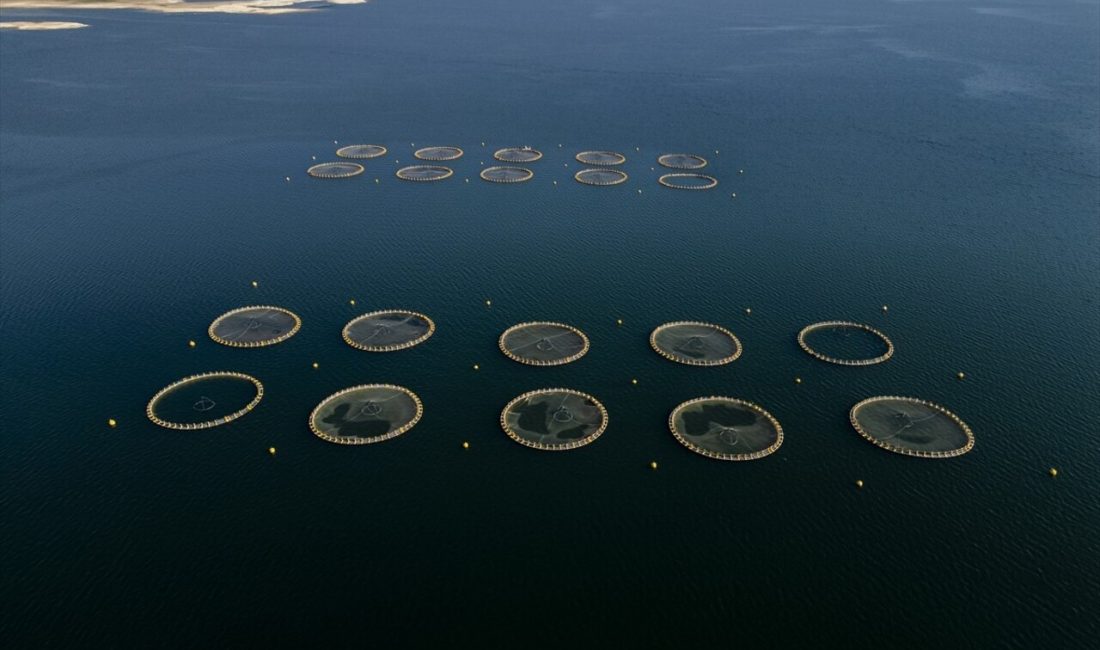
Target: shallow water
pixel 937 157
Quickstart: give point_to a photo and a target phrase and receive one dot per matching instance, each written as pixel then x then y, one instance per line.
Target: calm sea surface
pixel 942 158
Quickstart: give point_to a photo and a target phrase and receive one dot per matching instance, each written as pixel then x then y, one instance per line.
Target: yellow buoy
pixel 1053 472
pixel 255 284
pixel 634 381
pixel 111 423
pixel 271 450
pixel 961 375
pixel 619 322
pixel 798 380
pixel 653 465
pixel 477 367
pixel 316 365
pixel 191 344
pixel 488 303
pixel 352 301
pixel 465 445
pixel 859 483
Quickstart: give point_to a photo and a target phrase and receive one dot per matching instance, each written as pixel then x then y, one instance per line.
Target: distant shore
pixel 268 7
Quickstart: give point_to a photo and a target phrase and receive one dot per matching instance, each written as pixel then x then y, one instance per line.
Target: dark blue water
pixel 939 157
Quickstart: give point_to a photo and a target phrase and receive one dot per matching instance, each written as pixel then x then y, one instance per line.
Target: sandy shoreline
pixel 268 7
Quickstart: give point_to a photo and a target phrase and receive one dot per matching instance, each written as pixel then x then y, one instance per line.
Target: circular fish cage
pixel 845 343
pixel 911 426
pixel 507 174
pixel 439 153
pixel 682 161
pixel 362 415
pixel 725 428
pixel 388 330
pixel 424 173
pixel 335 170
pixel 688 181
pixel 254 327
pixel 601 158
pixel 361 151
pixel 601 177
pixel 205 400
pixel 517 155
pixel 695 344
pixel 554 419
pixel 543 343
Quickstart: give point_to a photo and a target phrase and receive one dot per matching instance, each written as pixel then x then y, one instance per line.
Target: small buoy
pixel 335 142
pixel 111 423
pixel 316 365
pixel 619 321
pixel 653 464
pixel 559 146
pixel 314 157
pixel 255 284
pixel 733 196
pixel 637 149
pixel 482 164
pixel 740 171
pixel 748 310
pixel 288 179
pixel 467 180
pixel 488 303
pixel 477 367
pixel 798 380
pixel 859 483
pixel 352 301
pixel 191 344
pixel 715 151
pixel 465 445
pixel 1053 472
pixel 634 381
pixel 412 144
pixel 885 308
pixel 271 450
pixel 483 144
pixel 961 375
pixel 555 182
pixel 376 180
pixel 639 191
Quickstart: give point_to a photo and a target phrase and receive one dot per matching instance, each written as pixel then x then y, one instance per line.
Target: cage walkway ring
pixel 953 438
pixel 809 329
pixel 439 153
pixel 377 411
pixel 362 151
pixel 388 330
pixel 424 173
pixel 554 419
pixel 687 181
pixel 681 161
pixel 335 170
pixel 725 439
pixel 255 326
pixel 600 177
pixel 517 155
pixel 151 413
pixel 543 343
pixel 601 158
pixel 696 343
pixel 502 174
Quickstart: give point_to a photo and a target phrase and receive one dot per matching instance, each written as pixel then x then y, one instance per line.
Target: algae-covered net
pixel 388 330
pixel 206 400
pixel 554 419
pixel 543 343
pixel 725 428
pixel 600 176
pixel 438 153
pixel 366 414
pixel 911 426
pixel 682 161
pixel 506 174
pixel 517 155
pixel 696 344
pixel 424 173
pixel 361 151
pixel 601 158
pixel 845 343
pixel 255 326
pixel 335 170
